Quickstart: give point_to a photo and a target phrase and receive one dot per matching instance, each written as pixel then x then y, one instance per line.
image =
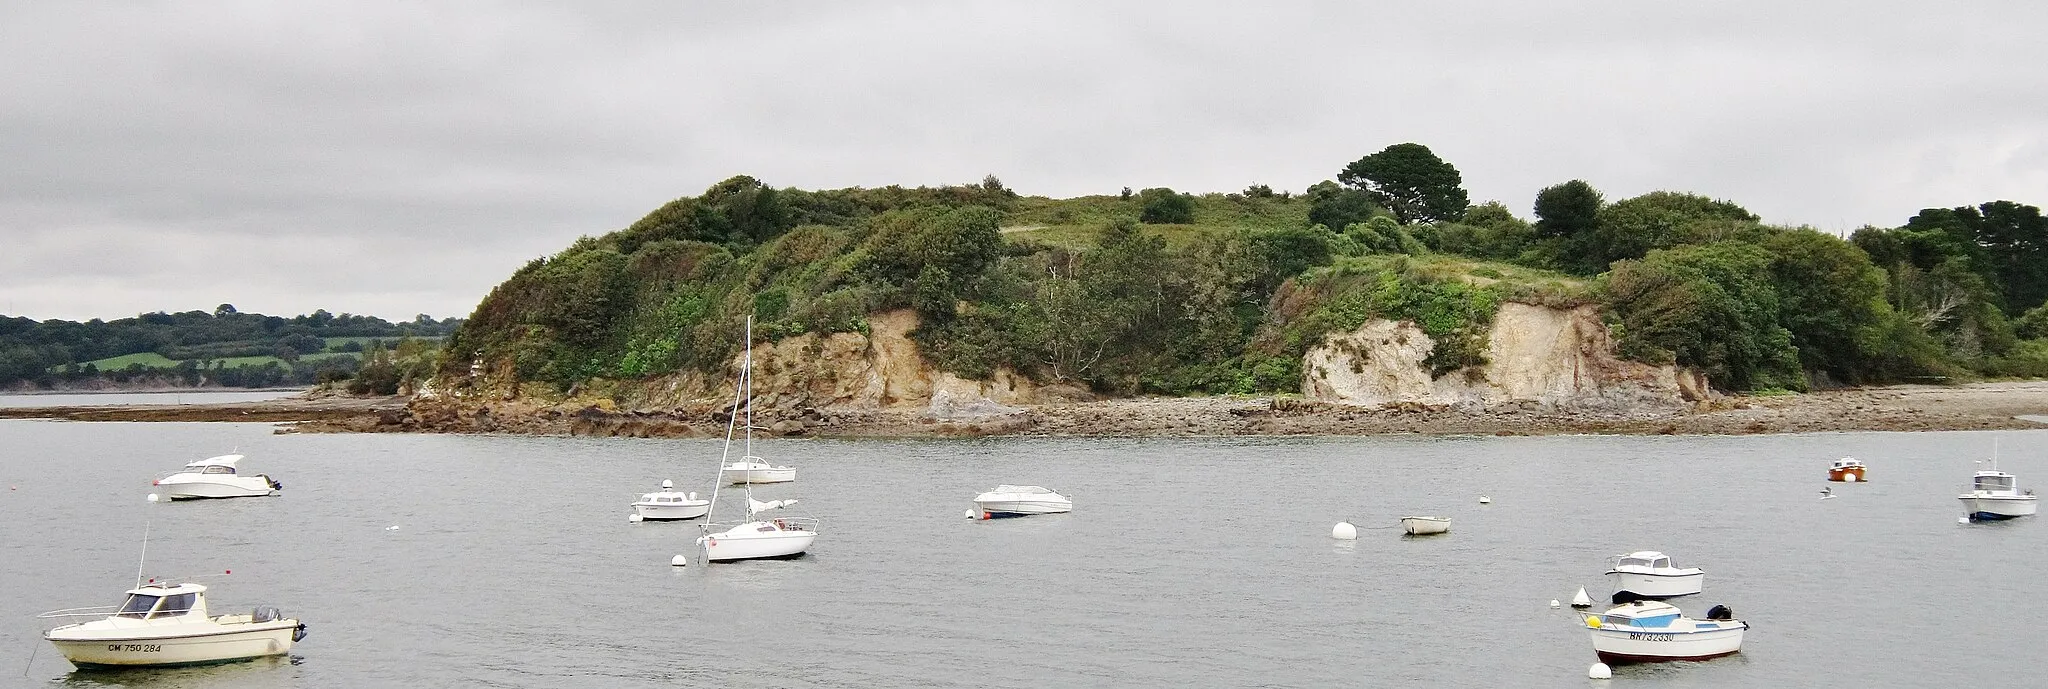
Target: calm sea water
pixel 94 399
pixel 1186 562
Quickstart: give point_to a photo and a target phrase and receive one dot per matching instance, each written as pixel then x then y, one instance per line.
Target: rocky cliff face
pixel 799 382
pixel 1540 356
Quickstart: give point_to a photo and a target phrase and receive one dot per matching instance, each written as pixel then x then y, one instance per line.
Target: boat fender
pixel 1720 612
pixel 299 632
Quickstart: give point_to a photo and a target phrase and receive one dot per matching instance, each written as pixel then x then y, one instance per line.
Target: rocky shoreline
pixel 1978 406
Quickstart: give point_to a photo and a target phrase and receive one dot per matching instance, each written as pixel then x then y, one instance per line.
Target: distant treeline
pixel 1167 292
pixel 224 347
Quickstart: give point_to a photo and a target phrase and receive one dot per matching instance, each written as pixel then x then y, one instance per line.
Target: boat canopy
pixel 158 601
pixel 1994 481
pixel 221 461
pixel 1035 490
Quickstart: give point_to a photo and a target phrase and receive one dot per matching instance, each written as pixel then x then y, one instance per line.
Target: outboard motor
pixel 299 633
pixel 1720 612
pixel 274 483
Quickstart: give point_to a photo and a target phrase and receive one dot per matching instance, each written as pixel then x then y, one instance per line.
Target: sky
pixel 398 158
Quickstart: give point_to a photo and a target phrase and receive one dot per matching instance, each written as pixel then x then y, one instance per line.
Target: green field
pixel 147 359
pixel 1076 222
pixel 334 343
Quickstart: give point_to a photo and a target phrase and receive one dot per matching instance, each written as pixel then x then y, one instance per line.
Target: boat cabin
pixel 1645 558
pixel 1994 482
pixel 224 464
pixel 665 498
pixel 164 600
pixel 1846 463
pixel 1641 615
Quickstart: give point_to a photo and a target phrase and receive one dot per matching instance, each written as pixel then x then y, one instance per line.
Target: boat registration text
pixel 1640 636
pixel 137 648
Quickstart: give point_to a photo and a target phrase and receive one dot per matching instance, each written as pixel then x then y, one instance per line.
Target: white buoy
pixel 1483 500
pixel 393 527
pixel 970 514
pixel 679 561
pixel 1344 531
pixel 1581 600
pixel 1599 671
pixel 635 517
pixel 1554 604
pixel 1849 478
pixel 1962 520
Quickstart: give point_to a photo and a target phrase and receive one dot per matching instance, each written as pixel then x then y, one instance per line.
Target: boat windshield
pixel 1661 563
pixel 217 469
pixel 137 606
pixel 176 605
pixel 1994 483
pixel 1634 562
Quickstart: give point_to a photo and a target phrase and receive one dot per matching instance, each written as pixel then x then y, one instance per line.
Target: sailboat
pixel 752 538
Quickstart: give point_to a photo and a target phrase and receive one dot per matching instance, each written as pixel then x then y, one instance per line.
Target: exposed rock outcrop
pixel 1537 356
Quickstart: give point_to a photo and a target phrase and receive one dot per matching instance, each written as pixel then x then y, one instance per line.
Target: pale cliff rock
pixel 1536 355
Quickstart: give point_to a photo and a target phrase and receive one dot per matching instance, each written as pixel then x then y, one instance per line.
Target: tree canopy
pixel 1411 181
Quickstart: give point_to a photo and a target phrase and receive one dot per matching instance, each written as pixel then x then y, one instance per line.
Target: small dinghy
pixel 1649 574
pixel 1018 501
pixel 670 504
pixel 163 624
pixel 1651 632
pixel 1424 526
pixel 216 477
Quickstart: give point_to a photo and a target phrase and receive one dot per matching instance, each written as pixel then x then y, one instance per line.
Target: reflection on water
pixel 1186 562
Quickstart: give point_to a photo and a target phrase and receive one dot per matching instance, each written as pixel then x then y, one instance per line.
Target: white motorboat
pixel 162 624
pixel 1650 631
pixel 752 538
pixel 216 477
pixel 1018 501
pixel 670 504
pixel 1649 574
pixel 1995 495
pixel 1424 526
pixel 751 469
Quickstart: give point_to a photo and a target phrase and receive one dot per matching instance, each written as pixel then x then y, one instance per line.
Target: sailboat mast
pixel 747 377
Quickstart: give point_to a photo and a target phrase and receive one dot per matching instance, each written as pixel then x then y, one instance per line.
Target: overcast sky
pixel 394 158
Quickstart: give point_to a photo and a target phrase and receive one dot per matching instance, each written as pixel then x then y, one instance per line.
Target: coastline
pixel 1975 406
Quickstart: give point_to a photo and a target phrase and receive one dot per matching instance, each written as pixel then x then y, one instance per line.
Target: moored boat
pixel 752 538
pixel 751 469
pixel 1651 631
pixel 670 504
pixel 217 477
pixel 1995 495
pixel 1649 574
pixel 1019 501
pixel 163 624
pixel 1423 526
pixel 1847 470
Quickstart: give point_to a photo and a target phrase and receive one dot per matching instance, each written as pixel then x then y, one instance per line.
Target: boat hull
pixel 1003 509
pixel 1421 526
pixel 127 650
pixel 730 547
pixel 1617 647
pixel 671 511
pixel 739 476
pixel 196 489
pixel 1994 508
pixel 1848 475
pixel 1646 585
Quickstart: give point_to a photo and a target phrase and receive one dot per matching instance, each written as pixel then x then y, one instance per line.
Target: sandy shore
pixel 1977 406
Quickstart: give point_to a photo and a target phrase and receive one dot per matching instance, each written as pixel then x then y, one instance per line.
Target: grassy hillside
pixel 1163 292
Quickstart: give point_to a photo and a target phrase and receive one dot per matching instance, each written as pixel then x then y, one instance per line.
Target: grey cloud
pixel 396 158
